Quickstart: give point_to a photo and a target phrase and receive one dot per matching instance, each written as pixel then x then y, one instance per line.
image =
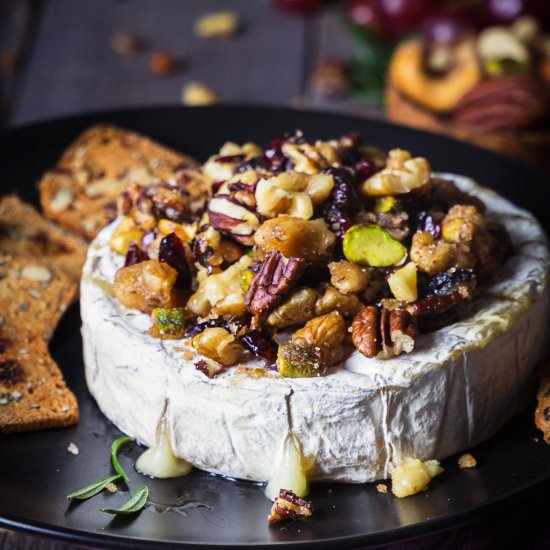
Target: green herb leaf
pixel 93 489
pixel 135 503
pixel 114 450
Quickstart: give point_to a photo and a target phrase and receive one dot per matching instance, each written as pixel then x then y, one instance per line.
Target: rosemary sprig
pixel 93 488
pixel 114 450
pixel 134 504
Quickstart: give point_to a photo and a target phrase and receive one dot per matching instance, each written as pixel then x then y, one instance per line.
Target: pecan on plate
pixel 383 333
pixel 273 280
pixel 288 506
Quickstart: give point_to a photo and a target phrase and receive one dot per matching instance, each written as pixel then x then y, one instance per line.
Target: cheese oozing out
pixel 160 461
pixel 413 476
pixel 288 472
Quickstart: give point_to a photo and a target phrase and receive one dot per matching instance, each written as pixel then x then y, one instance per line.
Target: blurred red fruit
pixel 300 6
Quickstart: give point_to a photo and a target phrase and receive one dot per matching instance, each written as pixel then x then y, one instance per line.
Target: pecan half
pixel 288 506
pixel 273 280
pixel 435 312
pixel 383 333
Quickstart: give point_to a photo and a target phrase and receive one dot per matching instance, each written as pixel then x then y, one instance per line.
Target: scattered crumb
pixel 467 461
pixel 188 355
pixel 218 24
pixel 382 488
pixel 163 63
pixel 126 43
pixel 73 449
pixel 111 487
pixel 196 94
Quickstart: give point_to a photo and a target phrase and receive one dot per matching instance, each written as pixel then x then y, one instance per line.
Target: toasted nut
pixel 372 245
pixel 62 199
pixel 365 331
pixel 402 174
pixel 299 360
pixel 217 24
pixel 297 238
pixel 288 506
pixel 273 280
pixel 298 308
pixel 272 200
pixel 403 283
pixel 348 277
pixel 502 43
pixel 196 94
pixel 208 367
pixel 413 476
pixel 125 43
pixel 334 300
pixel 220 288
pixel 146 286
pixel 163 63
pixel 168 323
pixel 125 233
pixel 327 333
pixel 218 344
pixel 230 217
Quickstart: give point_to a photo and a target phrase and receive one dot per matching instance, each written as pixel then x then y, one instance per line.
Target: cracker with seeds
pixel 25 232
pixel 33 394
pixel 33 296
pixel 81 190
pixel 542 412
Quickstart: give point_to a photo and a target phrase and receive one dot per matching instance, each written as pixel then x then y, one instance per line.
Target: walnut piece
pixel 327 333
pixel 467 461
pixel 298 308
pixel 218 344
pixel 273 280
pixel 348 276
pixel 288 506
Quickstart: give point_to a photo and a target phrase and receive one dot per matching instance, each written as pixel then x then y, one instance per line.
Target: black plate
pixel 37 471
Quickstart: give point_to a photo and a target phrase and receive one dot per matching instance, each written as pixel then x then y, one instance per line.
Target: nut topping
pixel 288 506
pixel 383 334
pixel 273 280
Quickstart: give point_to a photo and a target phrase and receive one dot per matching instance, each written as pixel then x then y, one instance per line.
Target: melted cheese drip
pixel 160 461
pixel 288 472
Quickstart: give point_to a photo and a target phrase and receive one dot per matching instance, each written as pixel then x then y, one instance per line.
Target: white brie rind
pixel 456 389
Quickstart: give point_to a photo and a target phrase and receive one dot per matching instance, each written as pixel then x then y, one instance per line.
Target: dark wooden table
pixel 57 60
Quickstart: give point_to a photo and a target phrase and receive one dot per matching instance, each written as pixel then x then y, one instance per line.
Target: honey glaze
pixel 289 471
pixel 160 461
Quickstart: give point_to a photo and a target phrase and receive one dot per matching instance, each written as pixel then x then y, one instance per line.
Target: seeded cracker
pixel 81 190
pixel 33 297
pixel 542 412
pixel 25 232
pixel 33 394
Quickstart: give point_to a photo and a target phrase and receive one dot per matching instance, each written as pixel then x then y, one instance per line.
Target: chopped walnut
pixel 333 300
pixel 298 308
pixel 219 24
pixel 273 280
pixel 395 223
pixel 348 277
pixel 327 333
pixel 73 449
pixel 288 506
pixel 311 240
pixel 218 344
pixel 382 488
pixel 111 487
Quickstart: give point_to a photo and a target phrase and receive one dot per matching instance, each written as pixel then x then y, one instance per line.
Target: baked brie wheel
pixel 457 387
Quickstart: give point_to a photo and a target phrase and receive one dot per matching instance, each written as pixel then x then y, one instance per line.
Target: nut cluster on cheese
pixel 299 252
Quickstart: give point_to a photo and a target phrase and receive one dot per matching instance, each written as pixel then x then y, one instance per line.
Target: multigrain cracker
pixel 33 394
pixel 33 296
pixel 81 190
pixel 25 232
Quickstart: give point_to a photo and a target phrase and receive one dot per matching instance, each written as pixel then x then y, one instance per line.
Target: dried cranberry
pixel 216 186
pixel 252 164
pixel 261 345
pixel 193 329
pixel 230 158
pixel 452 281
pixel 240 186
pixel 365 168
pixel 274 159
pixel 343 202
pixel 315 274
pixel 172 251
pixel 427 223
pixel 135 255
